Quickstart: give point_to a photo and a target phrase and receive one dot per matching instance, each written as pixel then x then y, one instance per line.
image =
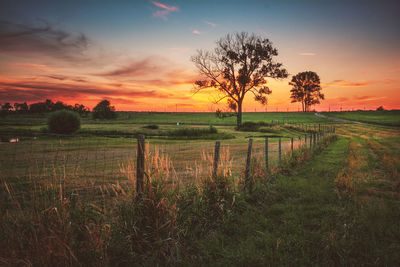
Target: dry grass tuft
pixel 351 175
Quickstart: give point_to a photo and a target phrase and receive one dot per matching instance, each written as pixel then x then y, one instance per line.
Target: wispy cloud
pixel 367 98
pixel 168 79
pixel 147 66
pixel 164 11
pixel 41 40
pixel 151 71
pixel 29 91
pixel 210 23
pixel 307 54
pixel 346 83
pixel 31 66
pixel 66 78
pixel 196 32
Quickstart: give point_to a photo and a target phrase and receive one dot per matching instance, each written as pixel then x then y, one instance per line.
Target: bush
pixel 104 110
pixel 64 122
pixel 193 132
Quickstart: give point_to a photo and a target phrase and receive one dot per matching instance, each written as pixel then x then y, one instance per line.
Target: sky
pixel 137 53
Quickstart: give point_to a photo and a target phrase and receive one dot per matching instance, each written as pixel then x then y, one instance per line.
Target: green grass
pixel 210 118
pixel 130 124
pixel 173 118
pixel 286 223
pixel 337 207
pixel 389 117
pixel 300 220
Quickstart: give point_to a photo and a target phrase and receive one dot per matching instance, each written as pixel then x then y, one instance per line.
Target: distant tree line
pixel 103 109
pixel 43 107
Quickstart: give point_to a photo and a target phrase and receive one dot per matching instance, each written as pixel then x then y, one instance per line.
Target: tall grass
pixel 51 223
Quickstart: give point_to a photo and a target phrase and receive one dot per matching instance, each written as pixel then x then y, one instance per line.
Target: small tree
pixel 6 107
pixel 239 64
pixel 64 122
pixel 380 108
pixel 59 105
pixel 21 107
pixel 81 109
pixel 104 110
pixel 306 89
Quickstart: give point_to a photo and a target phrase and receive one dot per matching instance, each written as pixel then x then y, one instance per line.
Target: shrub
pixel 103 110
pixel 193 132
pixel 64 122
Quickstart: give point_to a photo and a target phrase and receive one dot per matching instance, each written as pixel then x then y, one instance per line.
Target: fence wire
pixel 109 160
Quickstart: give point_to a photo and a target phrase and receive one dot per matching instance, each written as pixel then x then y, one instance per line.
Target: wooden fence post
pixel 291 145
pixel 266 153
pixel 247 182
pixel 305 139
pixel 280 150
pixel 140 165
pixel 216 159
pixel 310 141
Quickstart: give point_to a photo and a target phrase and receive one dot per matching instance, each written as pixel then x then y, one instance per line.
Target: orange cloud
pixel 65 78
pixel 346 83
pixel 367 98
pixel 29 91
pixel 31 66
pixel 307 54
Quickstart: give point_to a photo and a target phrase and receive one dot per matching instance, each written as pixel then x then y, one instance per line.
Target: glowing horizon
pixel 137 54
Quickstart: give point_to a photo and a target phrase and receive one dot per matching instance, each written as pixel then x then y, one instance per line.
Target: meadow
pixel 384 117
pixel 71 200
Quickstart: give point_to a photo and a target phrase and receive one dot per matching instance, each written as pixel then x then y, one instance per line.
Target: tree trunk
pixel 239 115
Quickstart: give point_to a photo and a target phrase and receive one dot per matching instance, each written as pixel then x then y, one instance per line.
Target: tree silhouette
pixel 380 108
pixel 81 109
pixel 306 89
pixel 6 107
pixel 239 64
pixel 103 110
pixel 21 107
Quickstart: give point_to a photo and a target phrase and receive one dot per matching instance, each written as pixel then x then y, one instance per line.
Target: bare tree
pixel 239 64
pixel 306 89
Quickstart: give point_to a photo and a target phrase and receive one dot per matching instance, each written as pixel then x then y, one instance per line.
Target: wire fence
pixel 82 160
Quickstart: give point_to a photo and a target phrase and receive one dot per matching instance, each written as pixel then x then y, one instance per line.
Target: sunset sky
pixel 137 53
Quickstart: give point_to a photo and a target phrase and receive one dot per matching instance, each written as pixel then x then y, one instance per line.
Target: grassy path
pixel 303 219
pixel 290 222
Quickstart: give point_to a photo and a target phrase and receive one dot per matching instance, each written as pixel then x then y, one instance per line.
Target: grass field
pixel 173 118
pixel 72 201
pixel 339 209
pixel 387 117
